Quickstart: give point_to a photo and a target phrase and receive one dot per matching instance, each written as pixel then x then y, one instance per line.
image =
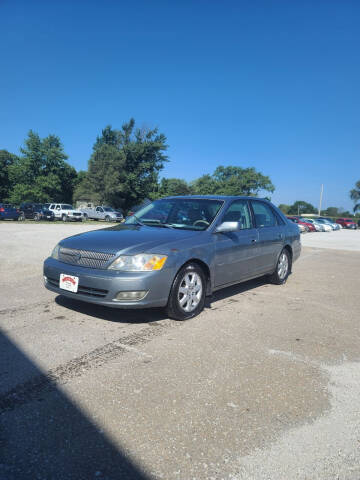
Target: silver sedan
pixel 174 252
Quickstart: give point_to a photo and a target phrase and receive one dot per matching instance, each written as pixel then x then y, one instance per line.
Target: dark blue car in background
pixel 8 212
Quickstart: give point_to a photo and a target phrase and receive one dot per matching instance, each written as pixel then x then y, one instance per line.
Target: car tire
pixel 86 218
pixel 107 218
pixel 190 282
pixel 283 268
pixel 64 218
pixel 36 217
pixel 21 218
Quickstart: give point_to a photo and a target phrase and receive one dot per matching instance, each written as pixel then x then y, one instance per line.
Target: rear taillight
pixel 2 209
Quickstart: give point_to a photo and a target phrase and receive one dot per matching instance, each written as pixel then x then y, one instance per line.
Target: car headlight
pixel 138 263
pixel 55 252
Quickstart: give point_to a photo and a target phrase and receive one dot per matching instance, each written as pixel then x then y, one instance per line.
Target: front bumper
pixel 101 286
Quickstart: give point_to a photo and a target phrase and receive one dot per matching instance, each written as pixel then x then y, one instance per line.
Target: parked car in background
pixel 35 211
pixel 205 243
pixel 346 222
pixel 309 227
pixel 333 225
pixel 301 227
pixel 8 212
pixel 318 226
pixel 66 212
pixel 102 213
pixel 326 225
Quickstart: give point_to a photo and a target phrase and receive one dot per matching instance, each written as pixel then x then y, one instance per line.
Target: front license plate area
pixel 69 282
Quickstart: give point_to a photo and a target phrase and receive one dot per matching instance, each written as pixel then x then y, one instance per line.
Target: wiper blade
pixel 163 225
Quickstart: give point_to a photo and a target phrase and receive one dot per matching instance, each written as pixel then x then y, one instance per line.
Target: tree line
pixel 123 169
pixel 301 207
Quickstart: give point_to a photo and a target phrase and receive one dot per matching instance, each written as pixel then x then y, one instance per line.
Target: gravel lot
pixel 263 385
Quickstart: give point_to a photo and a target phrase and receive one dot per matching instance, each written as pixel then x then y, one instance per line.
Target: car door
pixel 98 213
pixel 236 252
pixel 101 213
pixel 28 212
pixel 271 229
pixel 57 211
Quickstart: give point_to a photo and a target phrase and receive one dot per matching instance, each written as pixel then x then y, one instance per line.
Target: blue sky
pixel 271 84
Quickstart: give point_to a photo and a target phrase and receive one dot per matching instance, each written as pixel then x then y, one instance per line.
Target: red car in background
pixel 309 226
pixel 346 222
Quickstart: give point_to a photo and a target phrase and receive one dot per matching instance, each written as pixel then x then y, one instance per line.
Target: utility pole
pixel 321 195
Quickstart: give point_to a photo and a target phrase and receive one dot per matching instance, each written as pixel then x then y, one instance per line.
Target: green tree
pixel 355 196
pixel 300 207
pixel 232 180
pixel 241 181
pixel 7 159
pixel 331 212
pixel 204 185
pixel 41 173
pixel 172 187
pixel 284 208
pixel 124 166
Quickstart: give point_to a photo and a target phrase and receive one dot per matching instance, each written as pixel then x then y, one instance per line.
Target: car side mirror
pixel 226 227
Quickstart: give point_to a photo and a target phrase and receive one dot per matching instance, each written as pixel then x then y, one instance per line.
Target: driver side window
pixel 239 212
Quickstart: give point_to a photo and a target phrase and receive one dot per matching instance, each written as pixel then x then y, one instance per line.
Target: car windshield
pixel 67 207
pixel 108 209
pixel 182 213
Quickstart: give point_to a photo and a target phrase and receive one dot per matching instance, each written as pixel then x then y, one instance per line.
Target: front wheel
pixel 64 218
pixel 283 268
pixel 107 218
pixel 21 218
pixel 187 295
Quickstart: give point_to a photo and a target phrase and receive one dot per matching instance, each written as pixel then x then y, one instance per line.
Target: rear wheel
pixel 36 217
pixel 187 295
pixel 107 218
pixel 86 217
pixel 283 268
pixel 64 218
pixel 21 217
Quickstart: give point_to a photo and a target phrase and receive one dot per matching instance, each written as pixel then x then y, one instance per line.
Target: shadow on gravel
pixel 112 314
pixel 44 435
pixel 152 314
pixel 229 292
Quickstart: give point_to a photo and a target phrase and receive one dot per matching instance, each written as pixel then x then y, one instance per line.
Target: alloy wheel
pixel 190 291
pixel 283 266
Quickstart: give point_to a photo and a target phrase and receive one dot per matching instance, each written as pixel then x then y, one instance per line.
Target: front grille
pixel 85 258
pixel 75 214
pixel 82 289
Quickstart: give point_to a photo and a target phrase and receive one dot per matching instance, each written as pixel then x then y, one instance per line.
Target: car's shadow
pixel 150 314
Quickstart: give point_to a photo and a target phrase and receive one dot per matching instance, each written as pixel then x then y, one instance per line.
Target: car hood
pixel 129 239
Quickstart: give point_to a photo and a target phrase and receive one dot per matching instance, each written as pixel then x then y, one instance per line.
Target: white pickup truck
pixel 101 213
pixel 66 212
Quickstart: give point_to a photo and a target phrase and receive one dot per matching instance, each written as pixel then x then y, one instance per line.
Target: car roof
pixel 214 197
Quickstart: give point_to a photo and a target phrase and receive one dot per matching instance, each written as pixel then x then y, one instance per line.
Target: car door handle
pixel 253 240
pixel 281 235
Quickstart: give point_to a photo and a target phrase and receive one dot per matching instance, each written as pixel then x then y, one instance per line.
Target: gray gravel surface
pixel 264 384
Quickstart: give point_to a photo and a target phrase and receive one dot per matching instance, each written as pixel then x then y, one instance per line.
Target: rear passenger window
pixel 239 212
pixel 264 216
